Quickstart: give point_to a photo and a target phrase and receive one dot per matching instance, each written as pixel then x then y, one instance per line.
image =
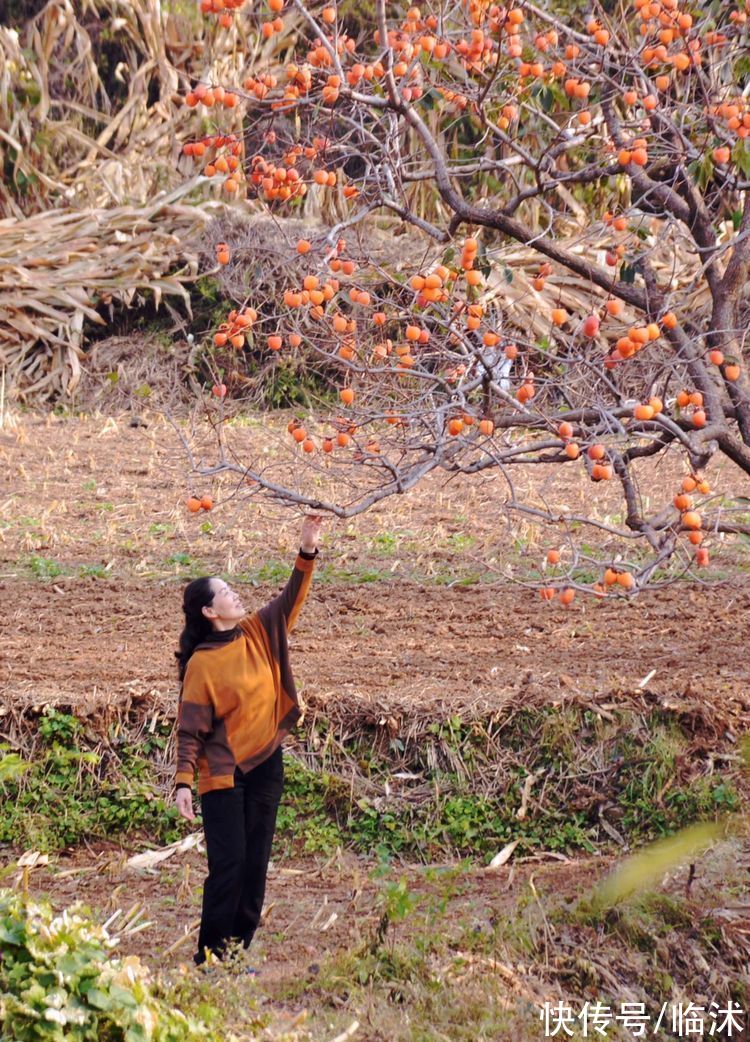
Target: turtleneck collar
pixel 221 636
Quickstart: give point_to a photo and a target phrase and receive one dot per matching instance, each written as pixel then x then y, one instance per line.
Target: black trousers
pixel 238 824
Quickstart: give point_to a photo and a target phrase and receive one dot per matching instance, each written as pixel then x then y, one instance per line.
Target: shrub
pixel 58 982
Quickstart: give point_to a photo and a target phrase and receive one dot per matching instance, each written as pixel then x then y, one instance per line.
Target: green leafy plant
pixel 95 571
pixel 69 789
pixel 44 567
pixel 12 766
pixel 58 981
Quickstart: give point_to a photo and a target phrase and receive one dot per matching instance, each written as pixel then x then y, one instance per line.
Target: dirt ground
pixel 112 640
pixel 96 544
pixel 313 907
pixel 315 910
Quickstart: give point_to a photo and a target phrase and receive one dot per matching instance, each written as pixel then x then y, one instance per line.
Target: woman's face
pixel 227 606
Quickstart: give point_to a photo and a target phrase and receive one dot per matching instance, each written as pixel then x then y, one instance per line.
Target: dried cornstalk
pixel 57 269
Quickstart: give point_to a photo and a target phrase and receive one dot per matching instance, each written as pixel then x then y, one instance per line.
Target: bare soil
pixel 94 537
pixel 301 899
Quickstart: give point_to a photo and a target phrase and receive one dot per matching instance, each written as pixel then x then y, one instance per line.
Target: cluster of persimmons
pixel 447 323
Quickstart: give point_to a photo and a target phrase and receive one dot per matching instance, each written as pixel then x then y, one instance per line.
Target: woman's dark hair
pixel 197 595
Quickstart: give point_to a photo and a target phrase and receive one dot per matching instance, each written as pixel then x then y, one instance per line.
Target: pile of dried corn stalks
pixel 91 129
pixel 56 268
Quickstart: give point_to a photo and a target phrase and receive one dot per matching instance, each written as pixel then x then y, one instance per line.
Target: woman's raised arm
pixel 289 602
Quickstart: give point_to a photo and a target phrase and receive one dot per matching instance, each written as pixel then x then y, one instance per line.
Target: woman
pixel 237 702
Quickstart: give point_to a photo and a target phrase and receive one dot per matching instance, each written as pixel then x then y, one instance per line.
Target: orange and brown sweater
pixel 238 699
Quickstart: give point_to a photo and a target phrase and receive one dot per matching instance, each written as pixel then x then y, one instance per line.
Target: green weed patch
pixel 554 779
pixel 72 785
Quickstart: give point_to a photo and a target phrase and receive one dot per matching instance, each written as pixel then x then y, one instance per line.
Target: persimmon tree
pixel 614 145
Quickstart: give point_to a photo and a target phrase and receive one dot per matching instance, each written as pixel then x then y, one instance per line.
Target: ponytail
pixel 197 595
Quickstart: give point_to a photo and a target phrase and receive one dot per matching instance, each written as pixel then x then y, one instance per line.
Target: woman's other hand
pixel 310 533
pixel 184 803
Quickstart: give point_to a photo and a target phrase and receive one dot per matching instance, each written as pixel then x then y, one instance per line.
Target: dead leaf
pixel 503 856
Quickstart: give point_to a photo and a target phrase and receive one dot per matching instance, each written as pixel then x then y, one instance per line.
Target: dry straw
pixel 101 208
pixel 57 269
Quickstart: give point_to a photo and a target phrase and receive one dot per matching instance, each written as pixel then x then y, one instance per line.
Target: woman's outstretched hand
pixel 310 533
pixel 184 803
